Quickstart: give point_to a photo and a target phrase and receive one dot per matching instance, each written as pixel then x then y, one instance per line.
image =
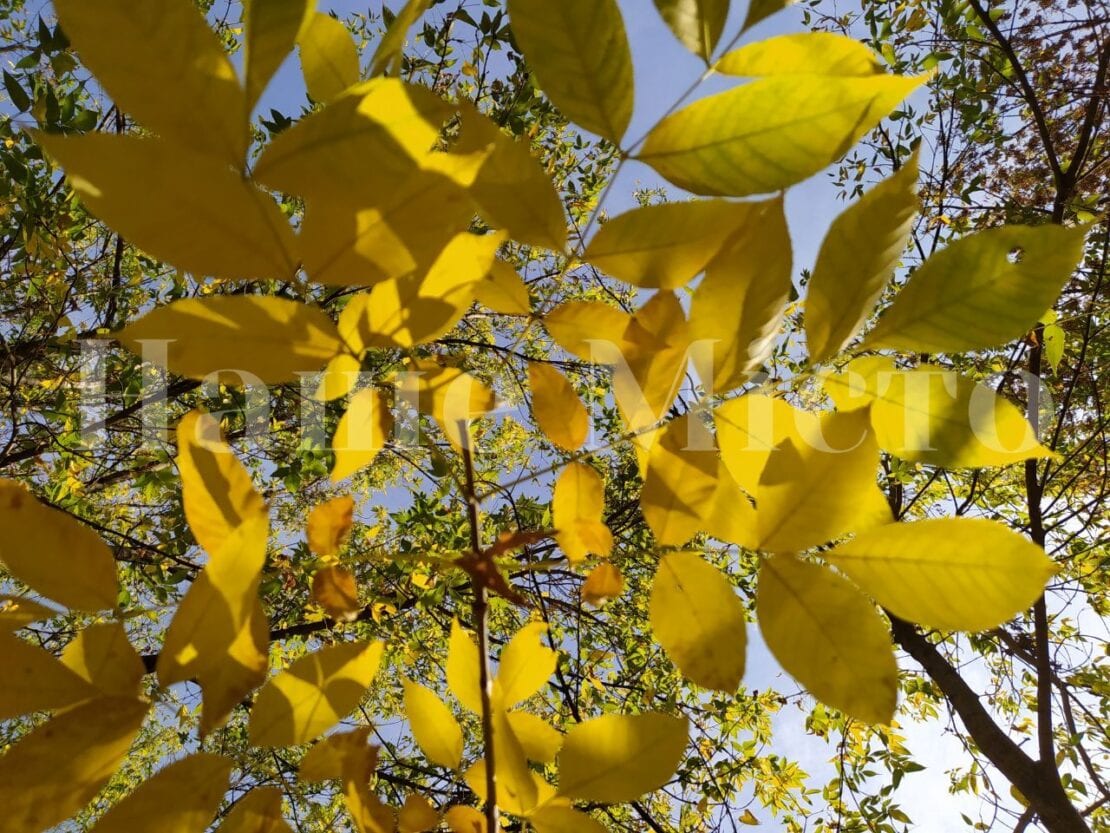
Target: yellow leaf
pixel 760 10
pixel 502 290
pixel 259 811
pixel 556 819
pixel 54 554
pixel 511 188
pixel 578 325
pixel 329 524
pixel 339 756
pixel 936 416
pixel 329 57
pixel 151 58
pixel 577 509
pixel 387 57
pixel 518 788
pixel 696 23
pixel 603 583
pixel 858 385
pixel 730 516
pixel 556 407
pixel 666 246
pixel 737 309
pixel 699 620
pixel 462 669
pixel 164 198
pixel 539 740
pixel 59 767
pixel 465 820
pixel 982 291
pixel 335 590
pixel 525 666
pixel 35 681
pixel 748 817
pixel 181 798
pixel 828 636
pixel 17 611
pixel 272 338
pixel 219 634
pixel 802 53
pixel 102 656
pixel 857 260
pixel 617 758
pixel 434 727
pixel 362 432
pixel 579 52
pixel 748 429
pixel 417 815
pixel 216 488
pixel 272 29
pixel 313 694
pixel 452 397
pixel 966 574
pixel 340 377
pixel 769 134
pixel 820 485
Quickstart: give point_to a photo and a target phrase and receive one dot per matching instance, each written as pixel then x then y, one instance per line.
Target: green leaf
pixel 820 484
pixel 982 291
pixel 1055 342
pixel 272 28
pixel 698 619
pixel 936 416
pixel 580 55
pixel 273 338
pixel 771 133
pixel 433 726
pixel 164 199
pixel 16 94
pixel 329 57
pixel 967 574
pixel 617 758
pixel 666 246
pixel 857 260
pixel 387 57
pixel 804 53
pixel 696 23
pixel 828 636
pixel 759 10
pixel 161 63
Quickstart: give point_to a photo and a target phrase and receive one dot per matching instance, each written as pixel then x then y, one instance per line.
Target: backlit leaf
pixel 329 524
pixel 750 427
pixel 164 198
pixel 759 10
pixel 557 819
pixel 857 386
pixel 387 57
pixel 465 820
pixel 828 636
pixel 434 727
pixel 272 338
pixel 313 694
pixel 417 815
pixel 556 407
pixel 153 57
pixel 452 397
pixel 699 620
pixel 335 590
pixel 525 666
pixel 667 245
pixel 339 756
pixel 35 681
pixel 59 767
pixel 603 583
pixel 857 260
pixel 271 30
pixel 539 739
pixel 502 290
pixel 181 798
pixel 53 553
pixel 329 57
pixel 618 757
pixel 769 134
pixel 17 611
pixel 102 656
pixel 801 53
pixel 362 432
pixel 462 669
pixel 577 508
pixel 950 573
pixel 680 481
pixel 259 811
pixel 579 52
pixel 696 23
pixel 982 291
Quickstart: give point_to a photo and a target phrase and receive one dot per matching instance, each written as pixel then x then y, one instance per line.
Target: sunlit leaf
pixel 982 291
pixel 699 620
pixel 329 524
pixel 950 573
pixel 577 509
pixel 603 583
pixel 313 694
pixel 579 52
pixel 164 199
pixel 417 815
pixel 857 259
pixel 259 811
pixel 502 290
pixel 556 407
pixel 433 725
pixel 617 757
pixel 462 669
pixel 801 53
pixel 151 58
pixel 181 798
pixel 102 656
pixel 17 612
pixel 556 819
pixel 525 665
pixel 680 481
pixel 329 57
pixel 539 740
pixel 453 397
pixel 750 427
pixel 769 134
pixel 335 590
pixel 696 23
pixel 857 386
pixel 828 636
pixel 387 57
pixel 759 10
pixel 338 756
pixel 271 30
pixel 35 681
pixel 54 554
pixel 465 820
pixel 363 431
